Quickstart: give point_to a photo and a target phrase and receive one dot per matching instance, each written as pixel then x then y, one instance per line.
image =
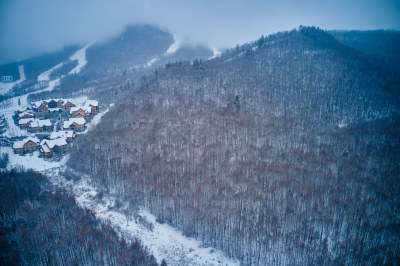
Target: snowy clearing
pixel 163 241
pixel 6 87
pixel 30 161
pixel 80 55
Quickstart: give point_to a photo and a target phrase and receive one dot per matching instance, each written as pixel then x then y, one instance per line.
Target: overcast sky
pixel 31 27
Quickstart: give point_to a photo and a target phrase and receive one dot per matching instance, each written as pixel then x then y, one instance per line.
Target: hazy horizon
pixel 31 28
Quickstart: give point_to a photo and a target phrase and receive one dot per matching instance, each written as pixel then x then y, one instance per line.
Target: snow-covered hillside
pixel 163 241
pixel 80 55
pixel 6 87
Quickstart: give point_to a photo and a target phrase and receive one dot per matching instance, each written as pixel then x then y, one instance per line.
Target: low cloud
pixel 30 28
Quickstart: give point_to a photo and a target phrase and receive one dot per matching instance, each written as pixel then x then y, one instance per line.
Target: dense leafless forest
pixel 281 151
pixel 40 227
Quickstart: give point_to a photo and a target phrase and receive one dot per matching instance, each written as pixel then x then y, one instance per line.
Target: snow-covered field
pixel 163 241
pixel 31 161
pixel 6 87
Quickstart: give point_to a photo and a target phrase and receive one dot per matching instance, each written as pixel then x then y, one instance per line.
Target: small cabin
pixel 67 106
pixel 52 104
pixel 60 103
pixel 45 151
pixel 27 145
pixel 43 108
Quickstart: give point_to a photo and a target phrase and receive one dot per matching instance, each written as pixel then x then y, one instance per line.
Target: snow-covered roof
pixel 79 121
pixel 25 113
pixel 20 144
pixel 60 134
pixel 92 103
pixel 86 109
pixel 54 142
pixel 40 123
pixel 45 148
pixel 22 109
pixel 25 121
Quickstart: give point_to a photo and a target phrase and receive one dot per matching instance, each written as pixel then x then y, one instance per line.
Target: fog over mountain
pixel 29 28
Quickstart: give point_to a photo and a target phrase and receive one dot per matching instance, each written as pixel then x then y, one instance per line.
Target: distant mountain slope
pixel 383 45
pixel 281 151
pixel 138 47
pixel 36 65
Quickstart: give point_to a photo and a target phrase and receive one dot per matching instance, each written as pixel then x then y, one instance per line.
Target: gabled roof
pixel 86 109
pixel 79 121
pixel 61 134
pixel 25 121
pixel 92 103
pixel 40 123
pixel 21 143
pixel 25 113
pixel 54 142
pixel 45 149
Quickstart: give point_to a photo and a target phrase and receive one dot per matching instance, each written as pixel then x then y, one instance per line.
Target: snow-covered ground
pixel 163 241
pixel 31 161
pixel 175 46
pixel 45 76
pixel 6 87
pixel 80 55
pixel 95 120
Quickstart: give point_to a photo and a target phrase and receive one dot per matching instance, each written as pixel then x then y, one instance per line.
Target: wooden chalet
pixel 52 104
pixel 58 145
pixel 78 113
pixel 27 145
pixel 24 123
pixel 25 115
pixel 45 151
pixel 93 104
pixel 60 103
pixel 75 124
pixel 67 106
pixel 38 125
pixel 68 134
pixel 43 108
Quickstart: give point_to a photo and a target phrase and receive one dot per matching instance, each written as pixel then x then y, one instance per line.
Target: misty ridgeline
pixel 280 151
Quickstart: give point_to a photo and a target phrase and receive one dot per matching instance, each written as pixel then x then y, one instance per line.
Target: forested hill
pixel 383 45
pixel 281 151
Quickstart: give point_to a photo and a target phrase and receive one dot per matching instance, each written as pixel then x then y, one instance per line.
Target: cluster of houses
pixel 37 120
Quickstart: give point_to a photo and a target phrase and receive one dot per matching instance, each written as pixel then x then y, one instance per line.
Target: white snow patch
pixel 175 46
pixel 6 87
pixel 216 53
pixel 45 76
pixel 151 62
pixel 96 119
pixel 80 55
